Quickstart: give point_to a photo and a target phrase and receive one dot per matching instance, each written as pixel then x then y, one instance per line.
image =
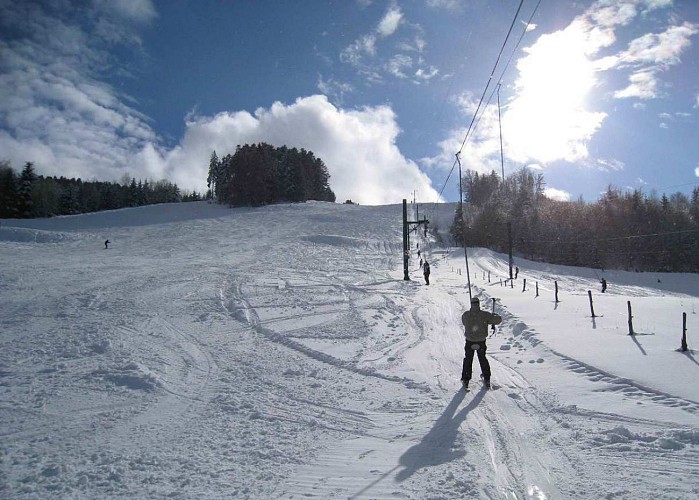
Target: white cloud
pixel 556 194
pixel 390 22
pixel 358 147
pixel 482 150
pixel 651 54
pixel 334 89
pixel 446 4
pixel 425 74
pixel 140 11
pixel 548 119
pixel 357 50
pixel 642 84
pixel 58 112
pixel 376 59
pixel 610 165
pixel 398 63
pixel 696 172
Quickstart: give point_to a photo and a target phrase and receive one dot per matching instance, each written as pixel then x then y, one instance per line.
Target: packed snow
pixel 277 352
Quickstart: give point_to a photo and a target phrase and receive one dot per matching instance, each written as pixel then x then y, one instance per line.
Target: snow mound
pixel 131 375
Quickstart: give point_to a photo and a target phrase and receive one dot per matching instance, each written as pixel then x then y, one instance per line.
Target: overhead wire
pixel 472 125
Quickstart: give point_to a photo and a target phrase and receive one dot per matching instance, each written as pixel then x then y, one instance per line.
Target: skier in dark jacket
pixel 476 323
pixel 604 285
pixel 426 272
pixel 106 244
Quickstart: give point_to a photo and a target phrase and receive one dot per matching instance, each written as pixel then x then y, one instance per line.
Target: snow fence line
pixel 486 276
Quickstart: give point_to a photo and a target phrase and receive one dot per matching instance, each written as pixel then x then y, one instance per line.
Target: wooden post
pixel 537 289
pixel 500 281
pixel 512 283
pixel 493 312
pixel 556 287
pixel 524 285
pixel 488 276
pixel 631 332
pixel 592 308
pixel 684 331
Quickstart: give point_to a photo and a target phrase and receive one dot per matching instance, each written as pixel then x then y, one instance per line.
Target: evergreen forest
pixel 622 230
pixel 260 174
pixel 27 195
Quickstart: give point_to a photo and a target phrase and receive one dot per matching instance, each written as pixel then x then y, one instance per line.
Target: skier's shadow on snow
pixel 437 447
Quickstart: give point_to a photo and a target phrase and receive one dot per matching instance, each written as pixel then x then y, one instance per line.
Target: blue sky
pixel 592 94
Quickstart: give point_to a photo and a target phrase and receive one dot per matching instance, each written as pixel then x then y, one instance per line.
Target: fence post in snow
pixel 684 332
pixel 524 285
pixel 592 308
pixel 537 289
pixel 556 288
pixel 488 276
pixel 512 283
pixel 493 311
pixel 630 319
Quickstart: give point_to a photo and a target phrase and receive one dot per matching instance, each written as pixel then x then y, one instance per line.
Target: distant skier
pixel 426 271
pixel 476 324
pixel 516 272
pixel 420 263
pixel 604 285
pixel 106 244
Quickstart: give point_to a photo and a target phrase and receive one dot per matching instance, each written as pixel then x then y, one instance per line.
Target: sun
pixel 547 120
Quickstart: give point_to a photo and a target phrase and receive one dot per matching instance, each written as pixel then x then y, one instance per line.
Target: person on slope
pixel 426 271
pixel 476 324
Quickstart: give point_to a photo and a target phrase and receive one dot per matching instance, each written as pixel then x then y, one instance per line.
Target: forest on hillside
pixel 622 230
pixel 260 174
pixel 27 195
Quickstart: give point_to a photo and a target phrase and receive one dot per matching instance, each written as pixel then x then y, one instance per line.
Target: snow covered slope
pixel 277 352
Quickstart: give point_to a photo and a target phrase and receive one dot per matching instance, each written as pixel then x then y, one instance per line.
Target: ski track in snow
pixel 278 353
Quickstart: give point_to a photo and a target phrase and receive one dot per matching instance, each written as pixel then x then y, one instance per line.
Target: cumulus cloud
pixel 59 113
pixel 696 171
pixel 358 147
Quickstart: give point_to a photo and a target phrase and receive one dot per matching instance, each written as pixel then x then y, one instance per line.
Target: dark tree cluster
pixel 622 230
pixel 30 195
pixel 260 174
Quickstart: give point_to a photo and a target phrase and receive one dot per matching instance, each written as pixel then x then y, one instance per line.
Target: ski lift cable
pixel 488 84
pixel 619 238
pixel 507 65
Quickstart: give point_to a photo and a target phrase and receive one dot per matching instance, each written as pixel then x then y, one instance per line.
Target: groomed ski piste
pixel 277 352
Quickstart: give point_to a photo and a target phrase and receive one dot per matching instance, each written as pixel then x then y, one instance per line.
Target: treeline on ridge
pixel 622 230
pixel 27 195
pixel 260 174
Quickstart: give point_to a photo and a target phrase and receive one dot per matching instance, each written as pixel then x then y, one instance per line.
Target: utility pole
pixel 463 229
pixel 502 158
pixel 406 237
pixel 405 241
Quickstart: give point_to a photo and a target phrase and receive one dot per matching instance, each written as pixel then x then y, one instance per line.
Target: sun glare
pixel 547 120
